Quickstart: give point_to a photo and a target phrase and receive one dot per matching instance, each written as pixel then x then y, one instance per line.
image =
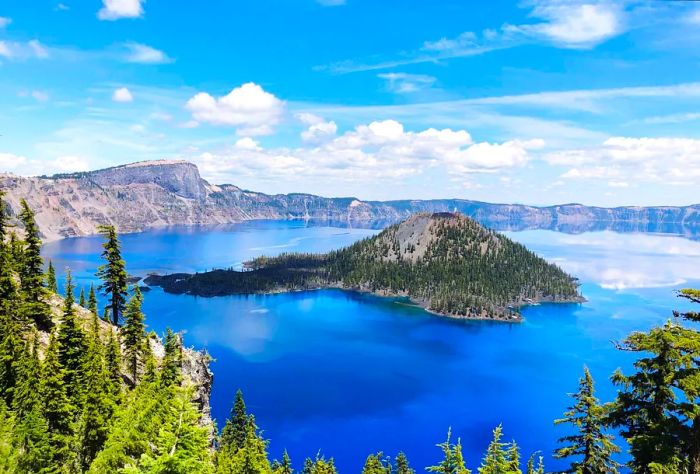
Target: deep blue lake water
pixel 351 374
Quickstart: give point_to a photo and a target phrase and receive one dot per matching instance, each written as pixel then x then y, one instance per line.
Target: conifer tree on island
pixel 113 273
pixel 590 443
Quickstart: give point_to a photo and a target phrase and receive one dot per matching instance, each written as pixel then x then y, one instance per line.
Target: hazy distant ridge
pixel 142 195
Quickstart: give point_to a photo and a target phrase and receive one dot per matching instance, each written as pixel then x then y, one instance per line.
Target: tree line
pixel 84 393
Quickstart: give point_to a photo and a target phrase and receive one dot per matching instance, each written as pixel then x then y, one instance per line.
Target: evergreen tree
pixel 8 450
pixel 535 469
pixel 249 458
pixel 590 445
pixel 172 360
pixel 3 218
pixel 402 466
pixel 283 467
pixel 496 459
pixel 99 401
pixel 113 359
pixel 320 465
pixel 134 335
pixel 10 355
pixel 453 461
pixel 58 410
pixel 51 284
pixel 81 299
pixel 72 345
pixel 34 453
pixel 31 275
pixel 92 300
pixel 513 455
pixel 377 464
pixel 234 433
pixel 113 273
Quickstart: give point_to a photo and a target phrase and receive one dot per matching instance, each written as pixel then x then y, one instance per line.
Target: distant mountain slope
pixel 142 195
pixel 447 263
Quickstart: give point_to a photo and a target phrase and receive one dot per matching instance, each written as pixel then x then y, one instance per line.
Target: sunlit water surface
pixel 351 374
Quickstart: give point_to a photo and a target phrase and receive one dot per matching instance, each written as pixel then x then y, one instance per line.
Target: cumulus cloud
pixel 404 83
pixel 249 108
pixel 377 150
pixel 623 159
pixel 117 9
pixel 144 54
pixel 122 95
pixel 318 128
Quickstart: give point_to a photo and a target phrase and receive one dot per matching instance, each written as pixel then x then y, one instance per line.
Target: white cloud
pixel 144 54
pixel 575 25
pixel 695 17
pixel 4 21
pixel 122 95
pixel 62 7
pixel 404 83
pixel 248 107
pixel 20 50
pixel 11 162
pixel 331 3
pixel 116 9
pixel 375 151
pixel 668 160
pixel 318 128
pixel 69 164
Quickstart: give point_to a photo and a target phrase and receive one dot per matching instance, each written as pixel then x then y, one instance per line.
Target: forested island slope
pixel 445 262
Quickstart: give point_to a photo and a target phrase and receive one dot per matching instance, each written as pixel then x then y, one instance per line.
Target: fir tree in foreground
pixel 589 443
pixel 113 273
pixel 453 461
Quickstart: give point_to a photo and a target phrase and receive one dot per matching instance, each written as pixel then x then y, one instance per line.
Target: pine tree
pixel 377 464
pixel 51 284
pixel 535 469
pixel 8 451
pixel 283 467
pixel 496 459
pixel 72 345
pixel 32 441
pixel 453 461
pixel 513 456
pixel 113 273
pixel 320 465
pixel 99 406
pixel 92 300
pixel 31 275
pixel 234 433
pixel 172 360
pixel 134 335
pixel 81 299
pixel 58 410
pixel 10 354
pixel 592 447
pixel 402 466
pixel 113 359
pixel 3 218
pixel 648 410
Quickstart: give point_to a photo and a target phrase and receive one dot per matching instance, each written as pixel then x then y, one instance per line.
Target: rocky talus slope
pixel 143 195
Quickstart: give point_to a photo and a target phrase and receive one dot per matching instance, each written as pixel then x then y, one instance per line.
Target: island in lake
pixel 445 262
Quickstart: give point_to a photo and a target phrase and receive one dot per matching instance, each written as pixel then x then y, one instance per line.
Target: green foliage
pixel 73 348
pixel 500 458
pixel 377 464
pixel 8 450
pixel 592 447
pixel 134 335
pixel 236 428
pixel 92 300
pixel 81 299
pixel 319 465
pixel 535 466
pixel 33 307
pixel 51 284
pixel 284 466
pixel 113 273
pixel 402 466
pixel 452 461
pixel 57 408
pixel 172 360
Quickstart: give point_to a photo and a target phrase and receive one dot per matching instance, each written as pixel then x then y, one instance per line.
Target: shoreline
pixel 423 305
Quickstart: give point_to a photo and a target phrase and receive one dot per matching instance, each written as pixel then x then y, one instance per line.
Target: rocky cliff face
pixel 160 193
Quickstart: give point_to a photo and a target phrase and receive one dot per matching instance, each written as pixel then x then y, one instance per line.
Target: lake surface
pixel 351 374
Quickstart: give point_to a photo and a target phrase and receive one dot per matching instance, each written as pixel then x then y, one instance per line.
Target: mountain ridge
pixel 142 195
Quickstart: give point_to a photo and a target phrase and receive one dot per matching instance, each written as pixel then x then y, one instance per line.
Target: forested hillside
pixel 446 262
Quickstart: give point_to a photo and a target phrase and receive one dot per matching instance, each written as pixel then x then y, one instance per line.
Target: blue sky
pixel 539 102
